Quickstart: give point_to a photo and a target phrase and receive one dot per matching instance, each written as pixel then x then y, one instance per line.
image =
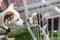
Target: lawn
pixel 23 34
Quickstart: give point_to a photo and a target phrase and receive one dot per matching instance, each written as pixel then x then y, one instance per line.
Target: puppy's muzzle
pixel 24 23
pixel 28 20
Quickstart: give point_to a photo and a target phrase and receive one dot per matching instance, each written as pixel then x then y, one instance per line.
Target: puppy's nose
pixel 24 23
pixel 28 20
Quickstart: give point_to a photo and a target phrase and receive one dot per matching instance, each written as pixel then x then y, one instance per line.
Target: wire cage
pixel 43 19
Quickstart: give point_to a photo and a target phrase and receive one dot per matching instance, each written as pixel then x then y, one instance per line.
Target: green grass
pixel 23 34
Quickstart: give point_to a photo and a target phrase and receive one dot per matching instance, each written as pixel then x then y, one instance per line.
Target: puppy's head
pixel 12 16
pixel 33 18
pixel 36 18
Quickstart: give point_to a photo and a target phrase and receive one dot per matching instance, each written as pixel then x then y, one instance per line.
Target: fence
pixel 48 31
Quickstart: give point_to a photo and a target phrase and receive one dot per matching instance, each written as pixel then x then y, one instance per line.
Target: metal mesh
pixel 40 30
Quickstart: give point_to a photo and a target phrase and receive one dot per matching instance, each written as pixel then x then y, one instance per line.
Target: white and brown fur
pixel 37 18
pixel 42 21
pixel 9 16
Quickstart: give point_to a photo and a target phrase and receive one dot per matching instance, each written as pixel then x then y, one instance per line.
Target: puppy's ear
pixel 11 6
pixel 34 14
pixel 8 16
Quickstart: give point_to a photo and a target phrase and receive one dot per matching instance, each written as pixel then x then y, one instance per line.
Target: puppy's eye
pixel 17 19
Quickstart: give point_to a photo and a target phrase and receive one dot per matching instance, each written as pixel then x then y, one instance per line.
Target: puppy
pixel 37 18
pixel 42 20
pixel 9 16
